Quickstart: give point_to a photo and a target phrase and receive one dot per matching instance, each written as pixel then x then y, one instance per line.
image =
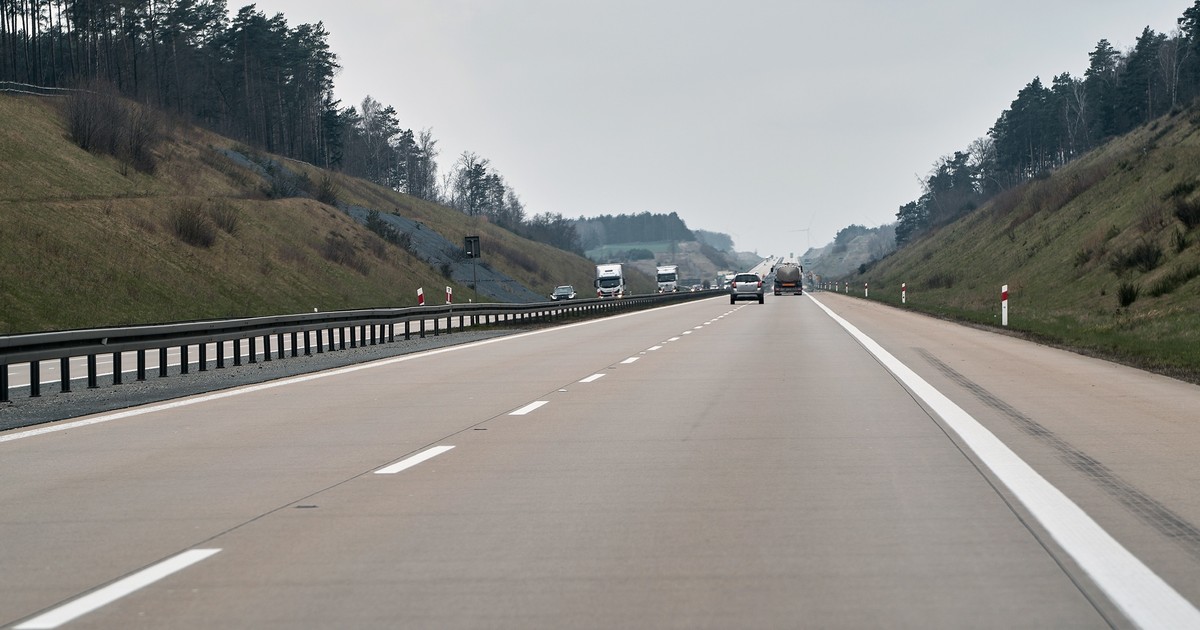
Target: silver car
pixel 746 286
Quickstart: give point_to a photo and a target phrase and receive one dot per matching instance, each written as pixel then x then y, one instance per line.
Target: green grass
pixel 1065 262
pixel 84 245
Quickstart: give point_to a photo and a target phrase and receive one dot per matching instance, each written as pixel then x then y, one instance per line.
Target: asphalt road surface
pixel 814 461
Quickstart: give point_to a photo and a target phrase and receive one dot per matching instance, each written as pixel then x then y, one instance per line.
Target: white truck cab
pixel 668 278
pixel 610 281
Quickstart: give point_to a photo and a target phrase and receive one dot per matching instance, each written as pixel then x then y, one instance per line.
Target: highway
pixel 814 461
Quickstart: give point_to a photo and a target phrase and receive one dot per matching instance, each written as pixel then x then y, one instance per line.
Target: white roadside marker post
pixel 1004 305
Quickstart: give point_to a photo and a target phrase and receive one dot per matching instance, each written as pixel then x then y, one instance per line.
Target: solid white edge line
pixel 527 408
pixel 116 590
pixel 592 378
pixel 187 402
pixel 1145 598
pixel 405 464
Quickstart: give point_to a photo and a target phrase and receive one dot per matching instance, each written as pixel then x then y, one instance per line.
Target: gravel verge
pixel 54 405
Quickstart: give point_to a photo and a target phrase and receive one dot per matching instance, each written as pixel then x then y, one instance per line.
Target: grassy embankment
pixel 1102 256
pixel 87 241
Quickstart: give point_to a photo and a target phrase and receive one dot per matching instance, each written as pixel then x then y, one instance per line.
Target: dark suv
pixel 746 286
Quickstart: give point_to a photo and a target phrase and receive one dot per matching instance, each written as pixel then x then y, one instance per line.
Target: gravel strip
pixel 54 405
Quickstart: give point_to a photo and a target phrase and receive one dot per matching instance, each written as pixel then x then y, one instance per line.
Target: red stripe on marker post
pixel 420 297
pixel 1004 305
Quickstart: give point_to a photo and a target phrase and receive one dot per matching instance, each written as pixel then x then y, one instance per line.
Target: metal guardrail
pixel 35 90
pixel 314 332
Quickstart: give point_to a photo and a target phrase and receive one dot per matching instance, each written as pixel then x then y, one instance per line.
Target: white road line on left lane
pixel 115 591
pixel 405 464
pixel 527 408
pixel 284 382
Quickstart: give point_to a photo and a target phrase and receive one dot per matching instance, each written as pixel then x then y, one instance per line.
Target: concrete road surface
pixel 814 461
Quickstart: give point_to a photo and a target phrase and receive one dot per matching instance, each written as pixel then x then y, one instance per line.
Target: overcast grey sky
pixel 757 118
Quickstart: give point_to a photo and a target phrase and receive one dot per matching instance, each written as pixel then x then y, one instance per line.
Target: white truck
pixel 610 281
pixel 668 278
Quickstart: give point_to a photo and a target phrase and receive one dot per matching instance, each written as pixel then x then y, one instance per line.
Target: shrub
pixel 327 191
pixel 1180 241
pixel 192 226
pixel 1144 256
pixel 1127 293
pixel 225 216
pixel 1174 280
pixel 100 121
pixel 1188 212
pixel 1181 190
pixel 340 251
pixel 1083 256
pixel 939 280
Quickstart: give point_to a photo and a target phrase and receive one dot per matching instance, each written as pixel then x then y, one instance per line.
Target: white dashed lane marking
pixel 405 464
pixel 528 408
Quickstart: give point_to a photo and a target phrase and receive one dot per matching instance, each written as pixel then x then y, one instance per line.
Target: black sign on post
pixel 471 244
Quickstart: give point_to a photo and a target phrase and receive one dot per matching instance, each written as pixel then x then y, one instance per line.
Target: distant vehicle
pixel 610 281
pixel 696 287
pixel 788 279
pixel 668 278
pixel 746 286
pixel 563 292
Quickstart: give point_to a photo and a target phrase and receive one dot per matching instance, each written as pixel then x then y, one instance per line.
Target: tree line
pixel 1047 126
pixel 254 78
pixel 644 227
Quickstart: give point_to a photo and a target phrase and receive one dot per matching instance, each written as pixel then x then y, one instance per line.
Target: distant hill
pixel 217 230
pixel 1102 255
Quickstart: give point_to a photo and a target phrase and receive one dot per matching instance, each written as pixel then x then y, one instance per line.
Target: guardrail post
pixel 422 333
pixel 162 362
pixel 253 341
pixel 436 323
pixel 116 368
pixel 279 345
pixel 183 358
pixel 307 348
pixel 237 352
pixel 91 369
pixel 267 347
pixel 295 345
pixel 64 374
pixel 221 355
pixel 391 332
pixel 202 353
pixel 35 387
pixel 320 340
pixel 407 334
pixel 3 383
pixel 141 365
